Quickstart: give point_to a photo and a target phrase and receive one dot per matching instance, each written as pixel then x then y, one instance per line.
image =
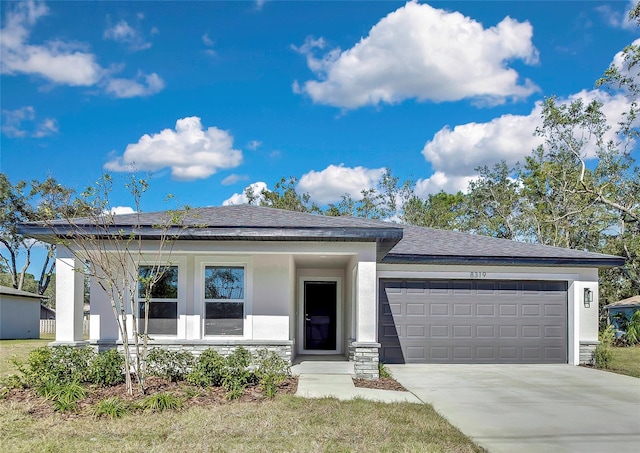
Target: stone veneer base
pixel 587 349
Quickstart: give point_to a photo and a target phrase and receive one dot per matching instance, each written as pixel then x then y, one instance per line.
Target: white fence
pixel 49 326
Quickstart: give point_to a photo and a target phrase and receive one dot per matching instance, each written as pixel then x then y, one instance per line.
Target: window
pixel 163 300
pixel 224 300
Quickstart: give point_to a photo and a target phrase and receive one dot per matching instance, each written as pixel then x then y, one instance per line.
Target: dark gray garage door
pixel 472 321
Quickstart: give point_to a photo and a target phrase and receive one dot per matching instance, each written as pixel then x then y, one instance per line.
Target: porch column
pixel 69 298
pixel 365 349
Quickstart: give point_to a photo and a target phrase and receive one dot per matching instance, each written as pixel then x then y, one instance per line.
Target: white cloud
pixel 425 53
pixel 206 40
pixel 12 123
pixel 254 144
pixel 241 198
pixel 328 185
pixel 123 33
pixel 57 61
pixel 440 181
pixel 455 153
pixel 18 124
pixel 460 150
pixel 617 18
pixel 122 210
pixel 47 127
pixel 191 151
pixel 142 85
pixel 233 179
pixel 61 62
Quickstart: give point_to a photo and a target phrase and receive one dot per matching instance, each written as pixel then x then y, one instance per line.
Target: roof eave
pixel 385 237
pixel 600 262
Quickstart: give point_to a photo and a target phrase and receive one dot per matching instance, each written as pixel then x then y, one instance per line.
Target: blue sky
pixel 211 97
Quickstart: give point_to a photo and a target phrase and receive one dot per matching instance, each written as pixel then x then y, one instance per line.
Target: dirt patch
pixel 191 396
pixel 380 384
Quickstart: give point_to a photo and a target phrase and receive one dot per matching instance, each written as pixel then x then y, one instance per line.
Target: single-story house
pixel 19 314
pixel 626 307
pixel 47 312
pixel 369 290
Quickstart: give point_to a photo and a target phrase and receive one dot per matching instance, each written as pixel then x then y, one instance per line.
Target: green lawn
pixel 20 348
pixel 285 423
pixel 626 361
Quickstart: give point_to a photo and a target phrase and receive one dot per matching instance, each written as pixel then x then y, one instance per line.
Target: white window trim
pixel 181 263
pixel 199 306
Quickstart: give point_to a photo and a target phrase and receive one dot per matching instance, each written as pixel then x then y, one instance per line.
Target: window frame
pixel 224 261
pixel 180 264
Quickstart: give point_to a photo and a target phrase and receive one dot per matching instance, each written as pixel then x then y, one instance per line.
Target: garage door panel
pixel 473 321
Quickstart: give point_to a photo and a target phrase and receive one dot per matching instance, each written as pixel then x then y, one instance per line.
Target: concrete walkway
pixel 318 378
pixel 532 408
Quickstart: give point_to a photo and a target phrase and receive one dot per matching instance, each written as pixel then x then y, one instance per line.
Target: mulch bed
pixel 380 384
pixel 196 396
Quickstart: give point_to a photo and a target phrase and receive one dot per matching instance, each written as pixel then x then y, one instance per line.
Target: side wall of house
pixel 19 317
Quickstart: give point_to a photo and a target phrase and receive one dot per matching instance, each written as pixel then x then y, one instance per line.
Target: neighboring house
pixel 19 314
pixel 47 313
pixel 308 284
pixel 624 307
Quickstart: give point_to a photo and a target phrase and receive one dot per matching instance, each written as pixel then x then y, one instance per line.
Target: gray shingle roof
pixel 633 301
pixel 8 291
pixel 396 243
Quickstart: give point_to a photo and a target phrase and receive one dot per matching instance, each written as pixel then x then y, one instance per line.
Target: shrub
pixel 237 374
pixel 171 365
pixel 271 371
pixel 632 332
pixel 107 368
pixel 61 364
pixel 64 395
pixel 159 402
pixel 602 356
pixel 208 370
pixel 383 372
pixel 111 407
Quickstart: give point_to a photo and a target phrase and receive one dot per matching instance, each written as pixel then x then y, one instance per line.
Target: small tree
pixel 26 202
pixel 112 255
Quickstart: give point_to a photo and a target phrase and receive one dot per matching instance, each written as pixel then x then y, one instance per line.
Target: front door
pixel 320 313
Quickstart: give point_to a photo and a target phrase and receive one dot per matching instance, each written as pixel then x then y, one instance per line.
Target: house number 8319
pixel 478 275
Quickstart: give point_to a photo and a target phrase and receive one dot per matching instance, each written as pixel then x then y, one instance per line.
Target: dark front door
pixel 320 315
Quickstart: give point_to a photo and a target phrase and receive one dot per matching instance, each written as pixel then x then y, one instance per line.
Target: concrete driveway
pixel 532 408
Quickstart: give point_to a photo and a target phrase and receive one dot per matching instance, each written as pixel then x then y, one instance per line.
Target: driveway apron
pixel 532 408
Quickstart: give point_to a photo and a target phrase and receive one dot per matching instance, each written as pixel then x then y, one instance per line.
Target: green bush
pixel 159 402
pixel 171 365
pixel 208 370
pixel 383 372
pixel 632 331
pixel 60 364
pixel 271 371
pixel 111 407
pixel 602 356
pixel 237 374
pixel 107 368
pixel 64 395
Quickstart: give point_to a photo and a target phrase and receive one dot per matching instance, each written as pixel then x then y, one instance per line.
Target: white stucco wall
pixel 582 322
pixel 271 297
pixel 19 317
pixel 271 286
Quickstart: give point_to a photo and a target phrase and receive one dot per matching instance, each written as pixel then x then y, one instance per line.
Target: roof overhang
pixel 384 237
pixel 503 261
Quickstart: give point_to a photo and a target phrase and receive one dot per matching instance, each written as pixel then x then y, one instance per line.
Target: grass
pixel 285 423
pixel 626 361
pixel 20 348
